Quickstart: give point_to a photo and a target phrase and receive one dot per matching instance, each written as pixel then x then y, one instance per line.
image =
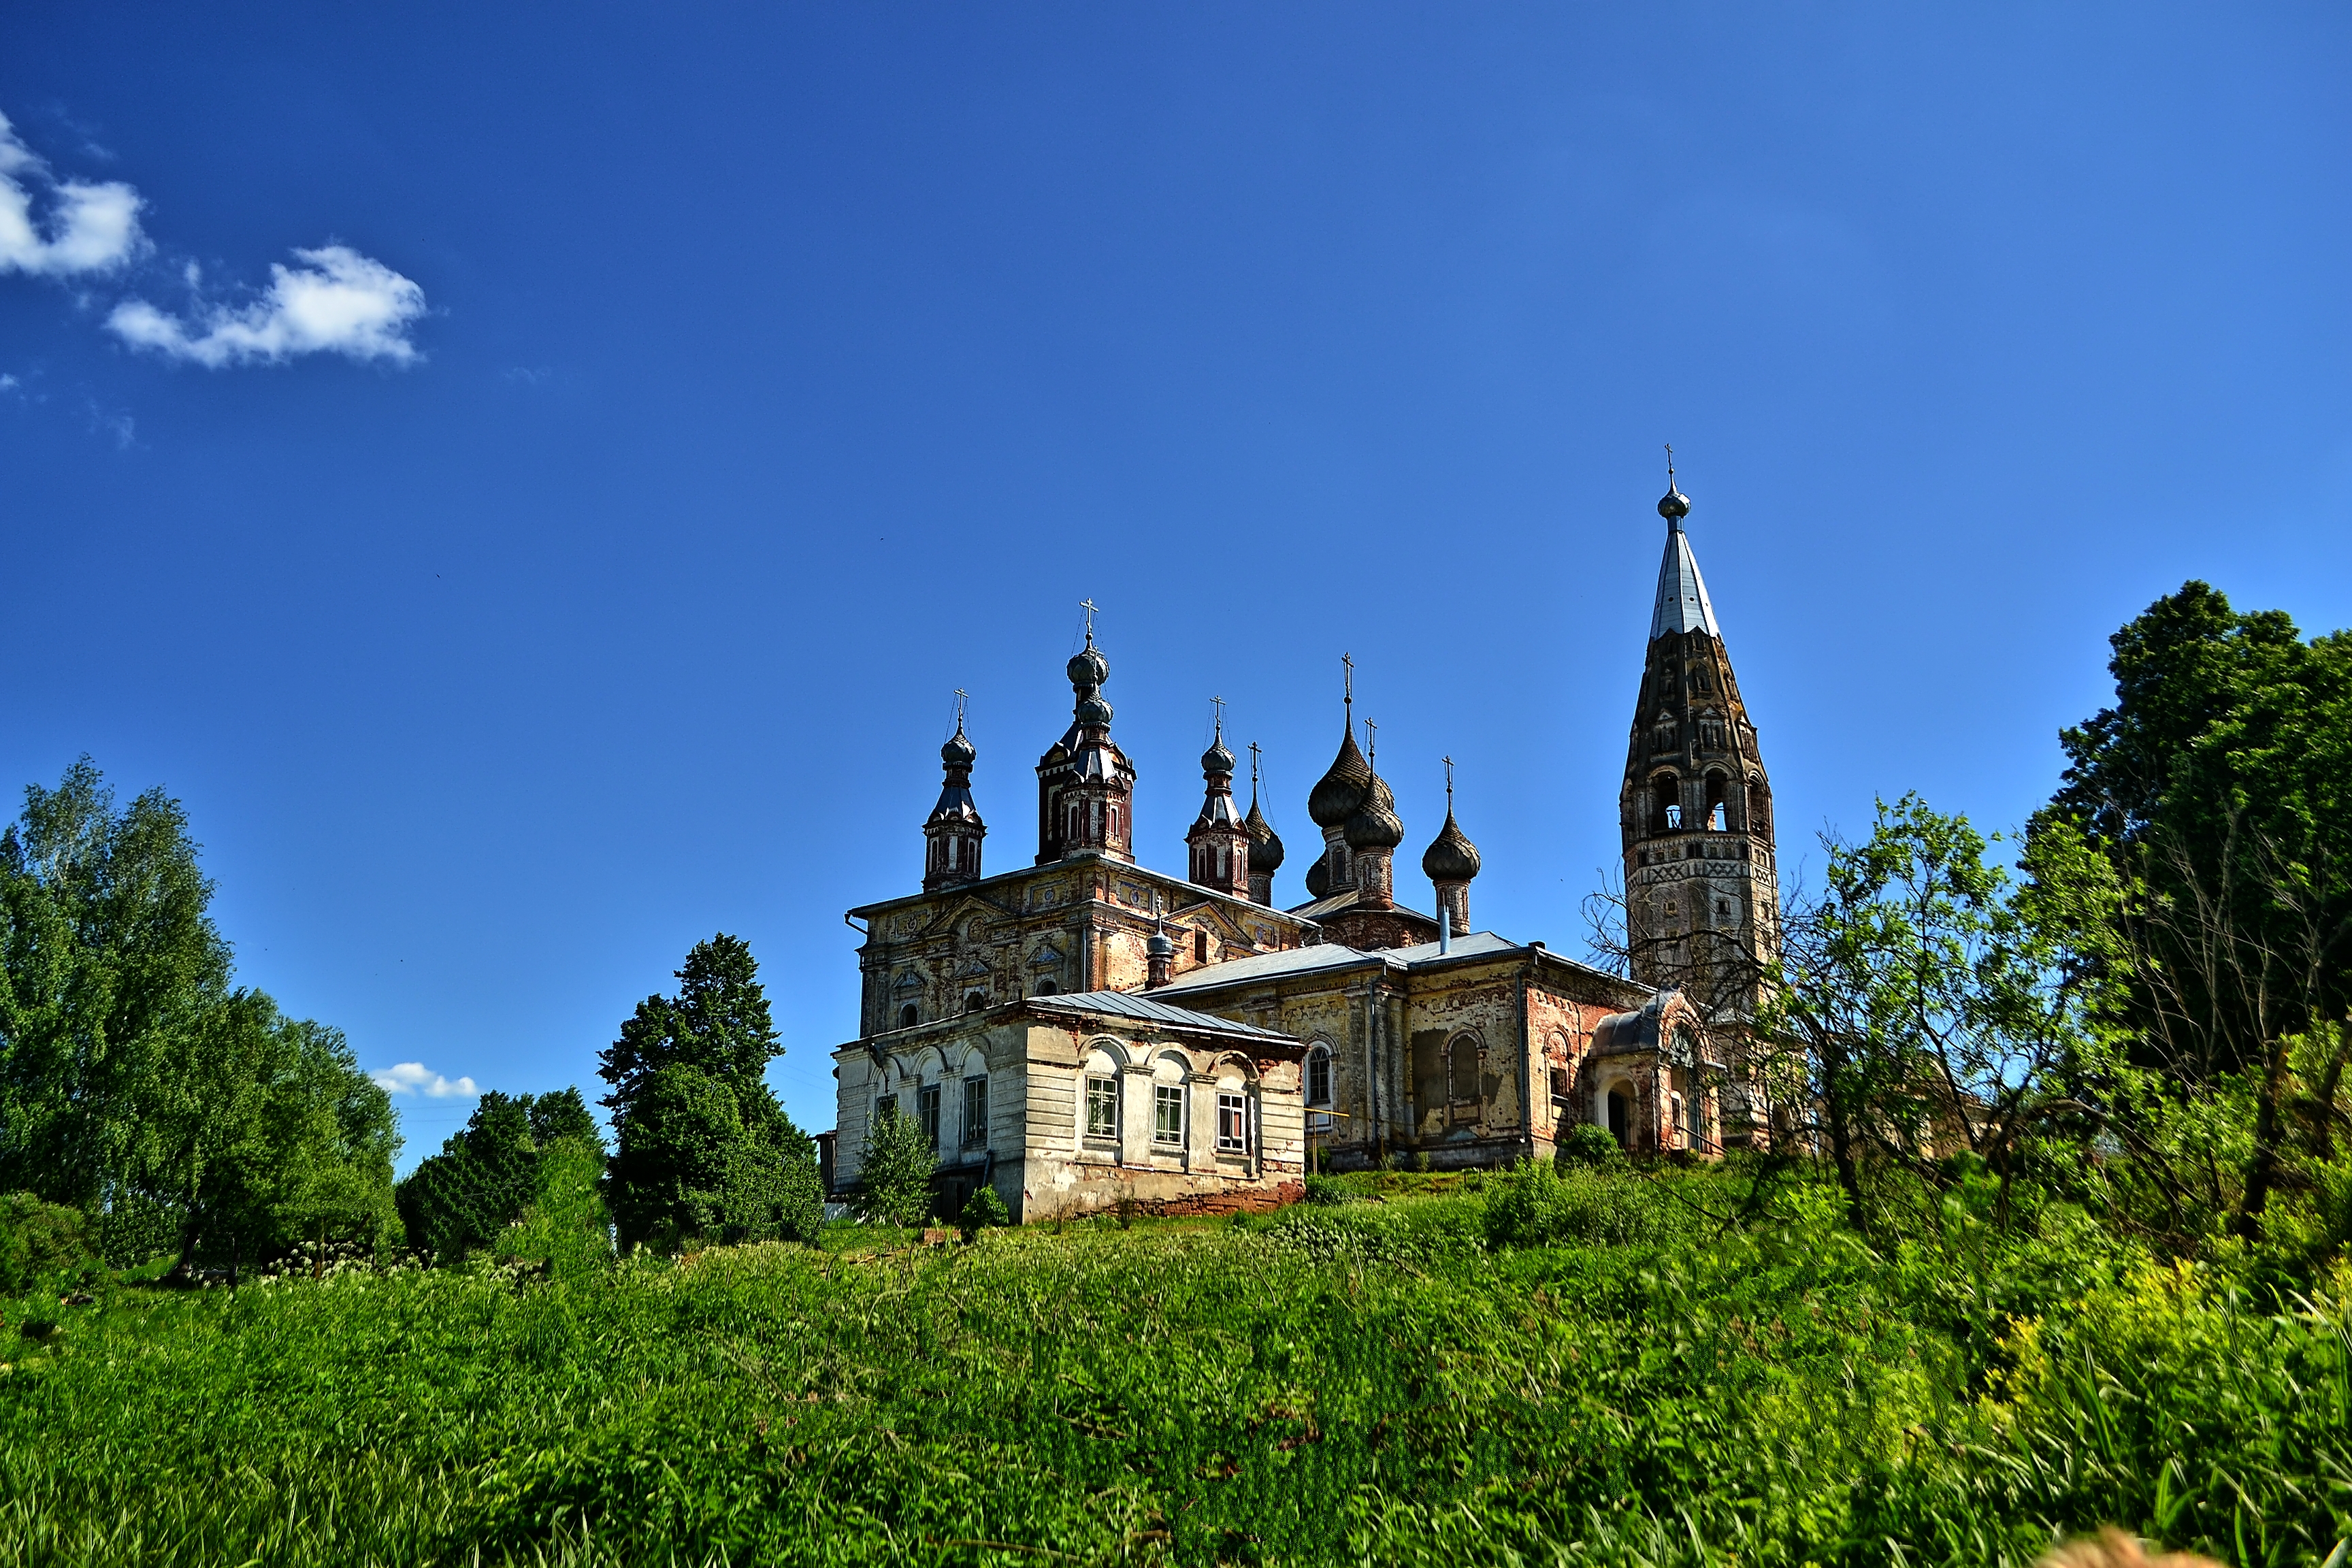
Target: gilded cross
pixel 962 696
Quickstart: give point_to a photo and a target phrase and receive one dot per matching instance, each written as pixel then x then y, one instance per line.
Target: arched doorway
pixel 1620 1116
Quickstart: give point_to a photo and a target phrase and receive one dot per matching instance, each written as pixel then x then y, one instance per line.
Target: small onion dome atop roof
pixel 1159 944
pixel 1093 712
pixel 1452 858
pixel 1265 845
pixel 1674 506
pixel 1318 877
pixel 1375 824
pixel 957 753
pixel 1087 667
pixel 1217 759
pixel 1337 793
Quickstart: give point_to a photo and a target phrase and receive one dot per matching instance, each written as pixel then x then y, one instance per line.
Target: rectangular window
pixel 927 1111
pixel 1559 1089
pixel 1102 1108
pixel 886 1105
pixel 1200 937
pixel 1232 1123
pixel 1167 1113
pixel 975 1114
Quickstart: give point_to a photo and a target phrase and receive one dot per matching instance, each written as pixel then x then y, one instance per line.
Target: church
pixel 1085 1032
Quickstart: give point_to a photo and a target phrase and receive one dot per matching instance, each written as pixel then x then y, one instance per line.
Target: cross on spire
pixel 1252 772
pixel 1371 745
pixel 1348 663
pixel 961 697
pixel 1219 704
pixel 1670 465
pixel 1449 785
pixel 1088 606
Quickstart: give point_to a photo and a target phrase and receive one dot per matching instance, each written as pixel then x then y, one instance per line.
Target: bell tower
pixel 952 834
pixel 1085 785
pixel 1702 896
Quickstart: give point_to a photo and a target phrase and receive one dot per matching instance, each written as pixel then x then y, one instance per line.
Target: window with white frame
pixel 1232 1123
pixel 1102 1106
pixel 1168 1114
pixel 1318 1087
pixel 975 1112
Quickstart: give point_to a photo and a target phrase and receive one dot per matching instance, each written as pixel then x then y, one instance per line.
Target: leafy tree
pixel 491 1171
pixel 897 1169
pixel 705 1150
pixel 2217 788
pixel 136 1083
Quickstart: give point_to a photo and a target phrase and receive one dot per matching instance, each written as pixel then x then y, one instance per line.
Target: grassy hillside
pixel 1597 1369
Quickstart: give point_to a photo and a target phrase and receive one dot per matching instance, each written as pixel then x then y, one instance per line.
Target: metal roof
pixel 1269 965
pixel 1126 1004
pixel 1682 604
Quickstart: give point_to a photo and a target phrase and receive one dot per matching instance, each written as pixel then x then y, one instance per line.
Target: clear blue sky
pixel 571 553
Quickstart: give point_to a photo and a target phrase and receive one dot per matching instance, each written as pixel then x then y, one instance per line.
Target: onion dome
pixel 1094 713
pixel 1337 793
pixel 1318 877
pixel 1087 667
pixel 957 753
pixel 1452 858
pixel 1265 845
pixel 1674 506
pixel 1159 944
pixel 1375 825
pixel 1217 759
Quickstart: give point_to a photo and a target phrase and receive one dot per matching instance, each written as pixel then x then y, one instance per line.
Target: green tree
pixel 705 1150
pixel 512 1150
pixel 135 1082
pixel 897 1169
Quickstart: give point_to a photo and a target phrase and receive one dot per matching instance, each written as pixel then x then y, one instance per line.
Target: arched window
pixel 1620 1117
pixel 910 1015
pixel 1462 1088
pixel 974 1000
pixel 1666 804
pixel 1048 988
pixel 1318 1087
pixel 1718 803
pixel 1760 805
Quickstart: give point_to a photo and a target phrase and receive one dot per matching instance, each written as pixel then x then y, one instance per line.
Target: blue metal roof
pixel 1126 1004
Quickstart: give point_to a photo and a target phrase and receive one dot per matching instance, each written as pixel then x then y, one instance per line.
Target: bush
pixel 897 1169
pixel 984 1210
pixel 1533 1204
pixel 40 1239
pixel 1589 1145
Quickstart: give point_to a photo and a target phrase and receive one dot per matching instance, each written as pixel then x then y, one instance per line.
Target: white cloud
pixel 337 301
pixel 411 1078
pixel 90 227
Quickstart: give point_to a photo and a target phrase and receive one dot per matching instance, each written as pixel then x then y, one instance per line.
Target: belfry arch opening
pixel 1666 804
pixel 1718 803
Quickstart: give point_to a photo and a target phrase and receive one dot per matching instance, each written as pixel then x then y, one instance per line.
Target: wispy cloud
pixel 331 301
pixel 336 301
pixel 89 226
pixel 413 1078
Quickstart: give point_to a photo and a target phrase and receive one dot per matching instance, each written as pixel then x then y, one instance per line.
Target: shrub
pixel 1589 1145
pixel 984 1210
pixel 897 1169
pixel 39 1239
pixel 1533 1204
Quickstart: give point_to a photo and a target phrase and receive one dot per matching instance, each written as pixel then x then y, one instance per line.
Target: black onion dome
pixel 1265 845
pixel 1674 506
pixel 1217 759
pixel 957 753
pixel 1094 712
pixel 1375 824
pixel 1318 877
pixel 1452 858
pixel 1087 667
pixel 1337 793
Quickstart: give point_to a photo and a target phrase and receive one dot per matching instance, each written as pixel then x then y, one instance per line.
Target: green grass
pixel 1367 1382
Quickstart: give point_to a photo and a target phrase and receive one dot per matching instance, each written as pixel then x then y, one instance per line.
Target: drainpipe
pixel 1445 929
pixel 1373 1074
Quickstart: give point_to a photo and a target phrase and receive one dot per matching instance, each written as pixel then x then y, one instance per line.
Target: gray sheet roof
pixel 1682 604
pixel 1147 1009
pixel 1330 955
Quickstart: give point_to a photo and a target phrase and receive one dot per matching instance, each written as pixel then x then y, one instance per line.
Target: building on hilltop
pixel 1085 1031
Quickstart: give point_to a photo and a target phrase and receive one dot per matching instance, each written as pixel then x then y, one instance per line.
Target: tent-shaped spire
pixel 1681 604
